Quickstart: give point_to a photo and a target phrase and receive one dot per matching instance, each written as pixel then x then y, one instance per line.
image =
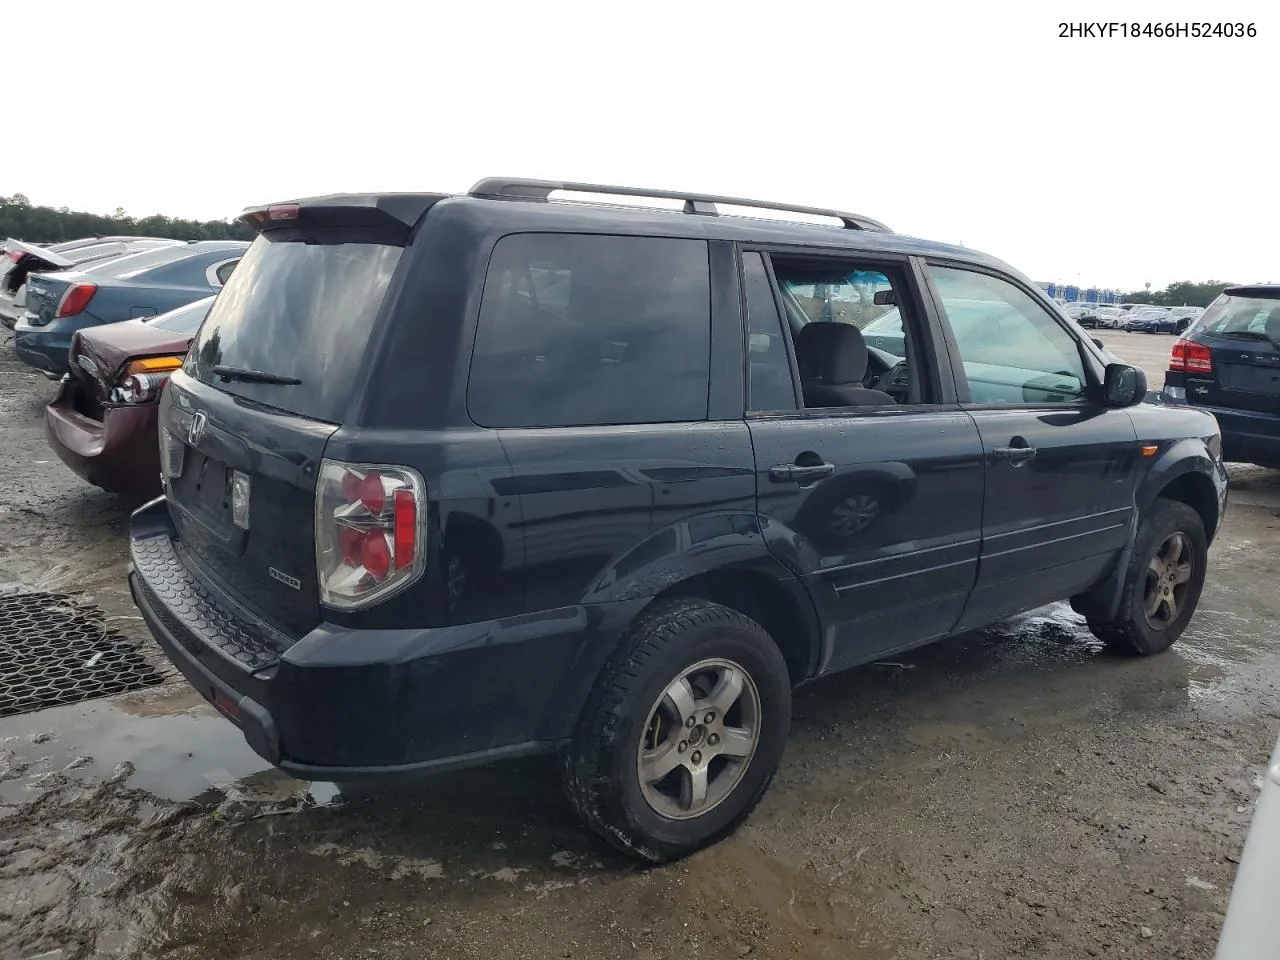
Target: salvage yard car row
pixel 110 318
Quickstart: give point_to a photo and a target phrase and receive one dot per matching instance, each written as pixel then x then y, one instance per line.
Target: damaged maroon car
pixel 102 424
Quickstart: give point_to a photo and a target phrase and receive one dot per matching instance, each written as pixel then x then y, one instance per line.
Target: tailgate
pixel 1246 376
pixel 221 452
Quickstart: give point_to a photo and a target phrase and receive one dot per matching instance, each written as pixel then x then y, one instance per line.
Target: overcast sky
pixel 1112 162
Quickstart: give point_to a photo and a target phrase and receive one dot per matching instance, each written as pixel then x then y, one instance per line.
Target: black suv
pixel 1229 364
pixel 450 479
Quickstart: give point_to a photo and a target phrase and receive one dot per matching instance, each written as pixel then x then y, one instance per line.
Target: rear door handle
pixel 1016 453
pixel 794 473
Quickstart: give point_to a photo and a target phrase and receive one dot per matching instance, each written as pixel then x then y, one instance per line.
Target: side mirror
pixel 1123 385
pixel 1098 343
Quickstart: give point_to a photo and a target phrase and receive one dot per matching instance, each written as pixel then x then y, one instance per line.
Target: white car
pixel 1249 931
pixel 1111 317
pixel 1080 311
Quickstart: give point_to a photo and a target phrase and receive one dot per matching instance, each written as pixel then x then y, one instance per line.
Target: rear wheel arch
pixel 782 608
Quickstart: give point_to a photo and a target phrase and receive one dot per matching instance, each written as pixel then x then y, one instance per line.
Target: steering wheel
pixel 894 381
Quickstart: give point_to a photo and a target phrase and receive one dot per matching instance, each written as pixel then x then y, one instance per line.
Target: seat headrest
pixel 1272 328
pixel 829 352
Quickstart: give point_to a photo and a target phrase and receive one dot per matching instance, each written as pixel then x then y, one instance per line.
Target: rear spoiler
pixel 343 217
pixel 40 253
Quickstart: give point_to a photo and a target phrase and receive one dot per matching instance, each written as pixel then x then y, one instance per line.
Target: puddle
pixel 177 749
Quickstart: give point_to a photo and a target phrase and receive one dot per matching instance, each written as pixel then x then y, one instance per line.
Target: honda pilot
pixel 454 479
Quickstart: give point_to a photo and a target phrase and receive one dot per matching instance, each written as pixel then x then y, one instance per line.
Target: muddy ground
pixel 1011 793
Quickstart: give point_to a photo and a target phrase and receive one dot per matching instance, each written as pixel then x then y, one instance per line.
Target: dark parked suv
pixel 450 479
pixel 1229 364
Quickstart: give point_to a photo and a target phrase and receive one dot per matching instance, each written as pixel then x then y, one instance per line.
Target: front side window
pixel 580 330
pixel 1013 350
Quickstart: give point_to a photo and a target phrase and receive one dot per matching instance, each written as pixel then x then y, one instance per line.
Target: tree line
pixel 21 220
pixel 1184 293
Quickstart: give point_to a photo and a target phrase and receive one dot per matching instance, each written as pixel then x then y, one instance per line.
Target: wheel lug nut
pixel 709 717
pixel 697 756
pixel 713 739
pixel 690 722
pixel 684 745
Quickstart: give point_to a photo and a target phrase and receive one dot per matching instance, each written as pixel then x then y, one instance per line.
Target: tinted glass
pixel 1013 350
pixel 184 320
pixel 769 382
pixel 578 330
pixel 299 310
pixel 1242 317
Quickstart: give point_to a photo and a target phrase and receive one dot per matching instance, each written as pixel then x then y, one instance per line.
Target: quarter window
pixel 1013 350
pixel 579 330
pixel 769 380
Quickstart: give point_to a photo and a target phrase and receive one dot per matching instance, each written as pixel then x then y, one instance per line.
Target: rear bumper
pixel 1247 436
pixel 120 454
pixel 42 348
pixel 344 704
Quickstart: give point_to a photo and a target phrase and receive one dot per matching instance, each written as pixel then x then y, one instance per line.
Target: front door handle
pixel 795 473
pixel 1017 452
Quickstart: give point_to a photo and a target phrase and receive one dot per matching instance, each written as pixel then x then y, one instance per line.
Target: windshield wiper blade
pixel 1244 335
pixel 227 374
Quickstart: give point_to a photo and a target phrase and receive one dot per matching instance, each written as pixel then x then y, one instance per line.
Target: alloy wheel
pixel 699 739
pixel 1168 580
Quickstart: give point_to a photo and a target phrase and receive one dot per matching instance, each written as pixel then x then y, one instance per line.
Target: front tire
pixel 1163 582
pixel 683 733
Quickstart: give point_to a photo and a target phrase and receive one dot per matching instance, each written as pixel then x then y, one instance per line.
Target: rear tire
pixel 1162 584
pixel 667 701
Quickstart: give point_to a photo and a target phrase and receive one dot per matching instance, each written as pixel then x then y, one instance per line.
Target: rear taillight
pixel 16 255
pixel 284 211
pixel 75 299
pixel 370 532
pixel 1191 357
pixel 142 380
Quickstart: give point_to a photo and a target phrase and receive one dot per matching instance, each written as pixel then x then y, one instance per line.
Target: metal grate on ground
pixel 55 650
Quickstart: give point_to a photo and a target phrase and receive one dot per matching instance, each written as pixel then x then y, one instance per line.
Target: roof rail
pixel 514 188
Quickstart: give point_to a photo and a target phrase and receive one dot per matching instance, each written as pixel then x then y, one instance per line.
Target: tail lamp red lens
pixel 75 299
pixel 16 255
pixel 284 211
pixel 369 534
pixel 1191 357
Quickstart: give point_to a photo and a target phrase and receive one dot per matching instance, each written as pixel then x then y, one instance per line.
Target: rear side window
pixel 296 310
pixel 581 330
pixel 184 320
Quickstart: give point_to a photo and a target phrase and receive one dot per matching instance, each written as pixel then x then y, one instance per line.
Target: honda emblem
pixel 196 430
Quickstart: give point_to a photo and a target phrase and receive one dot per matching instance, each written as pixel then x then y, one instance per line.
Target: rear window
pixel 1242 315
pixel 133 262
pixel 581 330
pixel 301 310
pixel 184 320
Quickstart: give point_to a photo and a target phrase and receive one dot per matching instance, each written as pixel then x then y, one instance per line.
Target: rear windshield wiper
pixel 1244 335
pixel 227 374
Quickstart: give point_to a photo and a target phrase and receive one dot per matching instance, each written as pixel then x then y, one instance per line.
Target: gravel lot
pixel 1011 793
